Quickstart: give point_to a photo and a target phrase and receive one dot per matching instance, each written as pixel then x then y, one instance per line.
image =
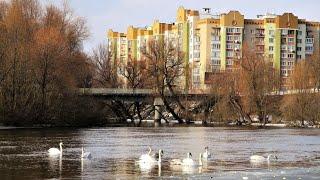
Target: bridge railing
pixel 104 91
pixel 119 91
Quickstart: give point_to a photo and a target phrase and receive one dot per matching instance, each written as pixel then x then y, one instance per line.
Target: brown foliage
pixel 41 60
pixel 303 106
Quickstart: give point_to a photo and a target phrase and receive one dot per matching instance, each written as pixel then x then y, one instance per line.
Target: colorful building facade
pixel 214 43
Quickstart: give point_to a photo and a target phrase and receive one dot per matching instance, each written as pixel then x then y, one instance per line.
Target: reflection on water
pixel 115 151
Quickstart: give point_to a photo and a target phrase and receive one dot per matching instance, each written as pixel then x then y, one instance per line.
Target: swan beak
pixel 276 157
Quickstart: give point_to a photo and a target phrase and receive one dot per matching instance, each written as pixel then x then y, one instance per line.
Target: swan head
pixel 275 156
pixel 161 152
pixel 206 148
pixel 272 155
pixel 189 155
pixel 60 144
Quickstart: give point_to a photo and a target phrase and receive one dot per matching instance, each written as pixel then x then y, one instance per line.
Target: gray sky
pixel 119 14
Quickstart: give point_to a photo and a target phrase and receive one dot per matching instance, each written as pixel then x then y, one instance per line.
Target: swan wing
pixel 176 162
pixel 54 151
pixel 206 155
pixel 146 158
pixel 257 158
pixel 188 162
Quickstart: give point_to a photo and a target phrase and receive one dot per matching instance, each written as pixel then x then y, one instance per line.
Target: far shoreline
pixel 149 124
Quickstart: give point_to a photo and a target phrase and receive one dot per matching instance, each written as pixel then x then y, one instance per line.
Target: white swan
pixel 185 162
pixel 206 155
pixel 259 159
pixel 55 151
pixel 147 162
pixel 85 155
pixel 147 158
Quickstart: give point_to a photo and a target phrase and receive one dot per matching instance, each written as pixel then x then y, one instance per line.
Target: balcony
pixel 260 35
pixel 309 40
pixel 291 35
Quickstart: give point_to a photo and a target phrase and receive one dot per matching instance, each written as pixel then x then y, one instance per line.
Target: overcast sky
pixel 102 15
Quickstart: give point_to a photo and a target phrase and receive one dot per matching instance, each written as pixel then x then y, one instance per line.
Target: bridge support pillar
pixel 158 103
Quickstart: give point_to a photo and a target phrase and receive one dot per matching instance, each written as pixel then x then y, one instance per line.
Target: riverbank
pixel 150 123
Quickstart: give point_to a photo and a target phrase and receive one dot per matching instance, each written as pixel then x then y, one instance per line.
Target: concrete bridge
pixel 141 95
pixel 150 96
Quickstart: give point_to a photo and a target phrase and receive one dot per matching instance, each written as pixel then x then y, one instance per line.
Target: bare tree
pixel 166 67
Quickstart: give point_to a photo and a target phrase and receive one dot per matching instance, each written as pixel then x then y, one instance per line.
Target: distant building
pixel 212 43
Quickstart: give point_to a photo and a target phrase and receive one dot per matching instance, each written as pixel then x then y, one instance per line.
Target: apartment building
pixel 214 43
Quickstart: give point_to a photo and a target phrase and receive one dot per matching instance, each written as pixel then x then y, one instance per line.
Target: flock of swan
pixel 57 152
pixel 151 159
pixel 148 160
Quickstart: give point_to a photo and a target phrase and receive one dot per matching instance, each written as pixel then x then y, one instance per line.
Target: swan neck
pixel 269 157
pixel 60 148
pixel 159 156
pixel 200 159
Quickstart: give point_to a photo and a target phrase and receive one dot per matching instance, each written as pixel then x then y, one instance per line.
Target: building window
pixel 271 56
pixel 215 54
pixel 284 31
pixel 197 55
pixel 270 40
pixel 299 56
pixel 215 62
pixel 252 31
pixel 216 46
pixel 299 40
pixel 229 38
pixel 283 55
pixel 215 37
pixel 271 32
pixel 299 48
pixel 229 30
pixel 236 38
pixel 290 56
pixel 290 32
pixel 229 46
pixel 270 48
pixel 291 48
pixel 197 38
pixel 300 33
pixel 229 54
pixel 290 40
pixel 229 62
pixel 309 48
pixel 309 40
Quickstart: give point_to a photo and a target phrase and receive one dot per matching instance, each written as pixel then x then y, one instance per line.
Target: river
pixel 23 153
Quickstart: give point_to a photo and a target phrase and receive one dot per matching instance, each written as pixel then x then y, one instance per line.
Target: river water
pixel 23 153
